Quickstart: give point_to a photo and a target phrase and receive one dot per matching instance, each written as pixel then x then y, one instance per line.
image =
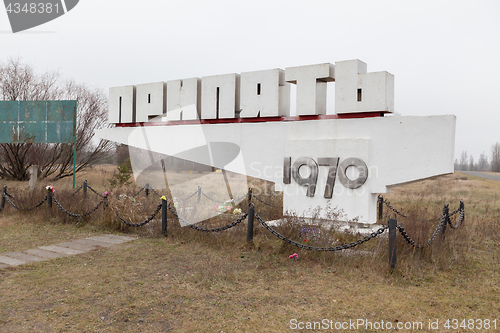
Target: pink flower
pixel 105 194
pixel 294 256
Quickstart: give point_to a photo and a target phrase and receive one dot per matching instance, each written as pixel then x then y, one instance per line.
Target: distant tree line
pixel 492 163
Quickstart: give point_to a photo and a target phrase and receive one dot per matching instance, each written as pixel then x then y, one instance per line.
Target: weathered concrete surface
pixel 59 249
pixel 11 261
pixel 63 249
pixel 45 254
pixel 90 242
pixel 23 256
pixel 78 246
pixel 124 238
pixel 111 240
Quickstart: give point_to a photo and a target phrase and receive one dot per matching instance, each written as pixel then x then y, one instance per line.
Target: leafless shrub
pixel 20 82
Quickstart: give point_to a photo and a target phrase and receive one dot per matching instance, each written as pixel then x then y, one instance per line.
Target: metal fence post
pixel 164 217
pixel 380 207
pixel 446 214
pixel 147 190
pixel 199 194
pixel 392 223
pixel 2 200
pixel 249 196
pixel 251 212
pixel 85 189
pixel 49 199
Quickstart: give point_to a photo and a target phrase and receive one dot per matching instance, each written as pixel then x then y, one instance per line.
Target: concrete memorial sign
pixel 242 123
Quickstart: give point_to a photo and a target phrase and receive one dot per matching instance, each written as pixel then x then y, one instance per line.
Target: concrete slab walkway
pixel 64 249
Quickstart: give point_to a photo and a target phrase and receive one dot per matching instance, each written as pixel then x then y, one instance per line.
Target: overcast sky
pixel 445 55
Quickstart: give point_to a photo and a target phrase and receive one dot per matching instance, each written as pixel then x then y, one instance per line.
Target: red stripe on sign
pixel 257 119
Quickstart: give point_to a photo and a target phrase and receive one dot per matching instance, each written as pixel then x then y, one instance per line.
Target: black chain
pixel 64 210
pixel 232 224
pixel 154 191
pixel 77 190
pixel 212 199
pixel 90 188
pixel 142 189
pixel 460 218
pixel 433 237
pixel 77 215
pixel 142 223
pixel 190 196
pixel 8 196
pixel 265 203
pixel 455 211
pixel 241 198
pixel 388 204
pixel 334 248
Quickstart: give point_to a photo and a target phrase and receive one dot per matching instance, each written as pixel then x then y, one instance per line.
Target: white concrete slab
pixel 124 238
pixel 23 256
pixel 11 261
pixel 105 239
pixel 59 249
pixel 44 254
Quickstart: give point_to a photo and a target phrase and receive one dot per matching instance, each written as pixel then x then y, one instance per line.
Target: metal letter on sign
pixel 362 168
pixel 310 181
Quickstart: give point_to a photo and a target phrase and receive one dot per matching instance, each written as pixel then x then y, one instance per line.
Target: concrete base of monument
pixel 329 225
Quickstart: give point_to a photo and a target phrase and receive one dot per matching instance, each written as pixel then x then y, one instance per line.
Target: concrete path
pixel 78 246
pixel 482 175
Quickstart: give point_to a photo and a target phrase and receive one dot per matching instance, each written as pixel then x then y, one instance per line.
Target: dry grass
pixel 197 282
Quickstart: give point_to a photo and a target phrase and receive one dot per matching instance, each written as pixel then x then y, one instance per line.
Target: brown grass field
pixel 192 281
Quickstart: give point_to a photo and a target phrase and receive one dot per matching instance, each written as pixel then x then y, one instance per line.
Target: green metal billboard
pixel 37 121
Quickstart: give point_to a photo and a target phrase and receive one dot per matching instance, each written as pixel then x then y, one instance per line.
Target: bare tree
pixel 464 161
pixel 482 164
pixel 472 166
pixel 495 157
pixel 20 82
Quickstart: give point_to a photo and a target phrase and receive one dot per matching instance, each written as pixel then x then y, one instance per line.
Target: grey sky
pixel 444 54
